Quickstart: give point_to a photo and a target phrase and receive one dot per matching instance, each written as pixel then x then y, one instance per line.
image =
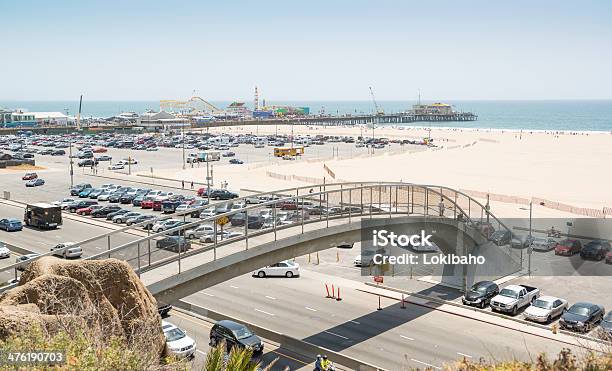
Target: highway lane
pixel 392 338
pixel 199 330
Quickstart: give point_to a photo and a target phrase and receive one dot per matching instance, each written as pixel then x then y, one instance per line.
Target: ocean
pixel 574 115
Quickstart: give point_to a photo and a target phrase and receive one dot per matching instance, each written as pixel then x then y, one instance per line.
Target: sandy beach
pixel 568 168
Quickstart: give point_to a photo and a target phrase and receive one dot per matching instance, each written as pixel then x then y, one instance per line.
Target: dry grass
pixel 25 167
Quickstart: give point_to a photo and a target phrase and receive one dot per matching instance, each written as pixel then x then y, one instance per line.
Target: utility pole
pixel 71 163
pixel 183 140
pixel 530 247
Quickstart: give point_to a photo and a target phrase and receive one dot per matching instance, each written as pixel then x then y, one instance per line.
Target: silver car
pixel 545 308
pixel 543 243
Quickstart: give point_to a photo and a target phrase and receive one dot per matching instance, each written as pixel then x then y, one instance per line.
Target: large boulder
pixel 105 294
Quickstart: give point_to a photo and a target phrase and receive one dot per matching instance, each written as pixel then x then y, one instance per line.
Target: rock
pixel 105 293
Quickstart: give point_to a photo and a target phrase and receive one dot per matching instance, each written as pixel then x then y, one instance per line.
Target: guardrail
pixel 324 202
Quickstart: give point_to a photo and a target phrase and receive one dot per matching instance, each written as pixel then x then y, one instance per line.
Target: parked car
pixel 88 210
pixel 63 203
pixel 4 251
pixel 139 219
pixel 71 251
pixel 25 258
pixel 222 194
pixel 104 158
pixel 29 176
pixel 85 192
pixel 568 247
pixel 117 166
pixel 87 162
pixel 545 308
pixel 514 297
pixel 521 241
pixel 177 342
pixel 236 161
pixel 543 244
pixel 173 243
pixel 235 335
pixel 366 258
pixel 80 205
pixel 105 211
pixel 286 268
pixel 200 231
pixel 582 317
pixel 95 193
pixel 147 202
pixel 11 224
pixel 110 216
pixel 122 218
pixel 480 294
pixel 501 237
pixel 74 191
pixel 35 182
pixel 209 238
pixel 163 225
pixel 609 258
pixel 597 250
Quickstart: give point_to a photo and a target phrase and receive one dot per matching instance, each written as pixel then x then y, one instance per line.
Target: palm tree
pixel 238 359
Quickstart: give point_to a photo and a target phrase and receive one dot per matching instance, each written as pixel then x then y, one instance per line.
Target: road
pixel 199 329
pixel 393 338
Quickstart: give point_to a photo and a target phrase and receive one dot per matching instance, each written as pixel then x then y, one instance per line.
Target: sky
pixel 308 50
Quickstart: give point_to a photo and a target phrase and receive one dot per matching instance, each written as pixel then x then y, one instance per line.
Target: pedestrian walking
pixel 183 184
pixel 192 184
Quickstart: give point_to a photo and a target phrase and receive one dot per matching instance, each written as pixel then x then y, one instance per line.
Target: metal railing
pixel 297 207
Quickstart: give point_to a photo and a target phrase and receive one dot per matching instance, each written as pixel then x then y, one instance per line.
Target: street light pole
pixel 183 140
pixel 530 248
pixel 71 163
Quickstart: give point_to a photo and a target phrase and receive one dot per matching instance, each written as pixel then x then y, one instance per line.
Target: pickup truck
pixel 514 297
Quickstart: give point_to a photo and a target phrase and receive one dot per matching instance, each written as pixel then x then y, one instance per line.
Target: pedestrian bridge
pixel 322 216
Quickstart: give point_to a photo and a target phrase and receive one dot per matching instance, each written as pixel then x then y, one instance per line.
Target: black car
pixel 73 207
pixel 100 213
pixel 115 197
pixel 595 250
pixel 235 335
pixel 501 237
pixel 480 294
pixel 59 152
pixel 138 199
pixel 172 243
pixel 582 317
pixel 255 221
pixel 222 194
pixel 127 198
pixel 115 213
pixel 87 163
pixel 74 191
pixel 164 309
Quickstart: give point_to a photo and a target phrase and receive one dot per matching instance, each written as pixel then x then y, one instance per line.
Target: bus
pixel 43 215
pixel 288 151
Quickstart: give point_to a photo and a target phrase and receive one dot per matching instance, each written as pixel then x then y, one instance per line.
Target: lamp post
pixel 529 239
pixel 183 140
pixel 71 163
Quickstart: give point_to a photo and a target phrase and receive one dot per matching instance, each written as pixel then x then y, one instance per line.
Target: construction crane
pixel 379 111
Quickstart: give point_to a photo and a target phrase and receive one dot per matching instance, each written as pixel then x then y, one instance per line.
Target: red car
pixel 100 150
pixel 568 247
pixel 609 257
pixel 29 176
pixel 146 204
pixel 201 192
pixel 88 210
pixel 289 205
pixel 157 205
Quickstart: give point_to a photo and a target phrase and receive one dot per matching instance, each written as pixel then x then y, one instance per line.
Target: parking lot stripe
pixel 264 312
pixel 425 364
pixel 332 333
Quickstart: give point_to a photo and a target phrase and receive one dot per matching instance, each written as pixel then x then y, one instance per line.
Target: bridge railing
pixel 292 208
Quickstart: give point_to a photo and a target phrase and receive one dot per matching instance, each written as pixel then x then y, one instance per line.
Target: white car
pixel 122 218
pixel 64 202
pixel 161 225
pixel 72 250
pixel 177 341
pixel 128 161
pixel 4 252
pixel 117 166
pixel 543 244
pixel 105 195
pixel 207 213
pixel 366 258
pixel 200 231
pixel 545 308
pixel 286 268
pixel 208 238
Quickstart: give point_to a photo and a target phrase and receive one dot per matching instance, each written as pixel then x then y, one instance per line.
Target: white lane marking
pixel 465 355
pixel 270 297
pixel 425 363
pixel 406 337
pixel 207 294
pixel 340 336
pixel 264 312
pixel 355 322
pixel 311 309
pixel 199 351
pixel 234 287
